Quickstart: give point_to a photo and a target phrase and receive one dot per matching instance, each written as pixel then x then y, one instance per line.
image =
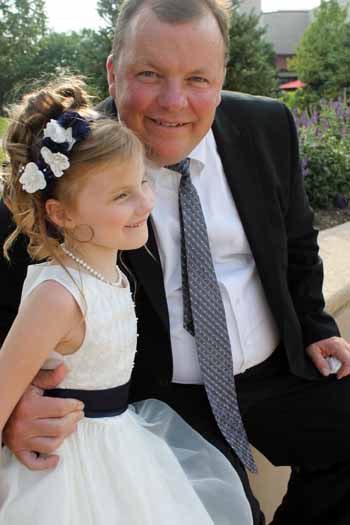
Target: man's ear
pixel 218 101
pixel 57 214
pixel 110 76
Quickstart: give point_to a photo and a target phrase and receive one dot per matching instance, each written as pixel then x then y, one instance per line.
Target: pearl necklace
pixel 91 270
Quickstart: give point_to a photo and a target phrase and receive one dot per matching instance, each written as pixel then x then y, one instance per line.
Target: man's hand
pixel 333 347
pixel 40 424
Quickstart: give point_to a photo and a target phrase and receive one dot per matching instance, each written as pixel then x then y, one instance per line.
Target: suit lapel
pixel 145 263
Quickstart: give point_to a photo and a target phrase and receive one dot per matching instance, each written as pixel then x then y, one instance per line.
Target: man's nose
pixel 173 96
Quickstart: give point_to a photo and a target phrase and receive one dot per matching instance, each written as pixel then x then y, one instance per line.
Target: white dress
pixel 143 467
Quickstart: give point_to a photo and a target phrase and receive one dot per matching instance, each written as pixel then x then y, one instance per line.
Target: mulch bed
pixel 331 217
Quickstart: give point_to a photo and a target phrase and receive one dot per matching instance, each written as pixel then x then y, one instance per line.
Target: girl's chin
pixel 135 241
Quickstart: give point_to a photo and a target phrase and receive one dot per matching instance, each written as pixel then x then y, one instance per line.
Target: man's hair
pixel 172 12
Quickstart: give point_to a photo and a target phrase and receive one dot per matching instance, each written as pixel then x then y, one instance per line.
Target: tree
pixel 83 53
pixel 322 58
pixel 108 11
pixel 95 46
pixel 251 66
pixel 22 26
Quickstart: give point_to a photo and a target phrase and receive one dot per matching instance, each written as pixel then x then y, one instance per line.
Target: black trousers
pixel 295 422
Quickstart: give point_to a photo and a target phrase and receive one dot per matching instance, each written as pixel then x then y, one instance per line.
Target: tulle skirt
pixel 144 467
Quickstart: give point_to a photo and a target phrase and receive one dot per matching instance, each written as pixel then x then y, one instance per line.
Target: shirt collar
pixel 199 154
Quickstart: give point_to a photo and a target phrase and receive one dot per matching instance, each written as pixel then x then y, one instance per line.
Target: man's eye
pixel 148 74
pixel 199 80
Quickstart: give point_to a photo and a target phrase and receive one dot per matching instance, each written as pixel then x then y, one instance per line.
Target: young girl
pixel 77 190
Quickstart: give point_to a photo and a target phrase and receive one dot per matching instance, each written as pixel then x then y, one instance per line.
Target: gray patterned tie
pixel 204 317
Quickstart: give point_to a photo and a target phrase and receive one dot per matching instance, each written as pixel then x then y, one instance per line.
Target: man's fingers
pixel 54 432
pixel 46 379
pixel 47 407
pixel 34 462
pixel 61 407
pixel 46 445
pixel 343 371
pixel 334 347
pixel 57 427
pixel 343 355
pixel 319 361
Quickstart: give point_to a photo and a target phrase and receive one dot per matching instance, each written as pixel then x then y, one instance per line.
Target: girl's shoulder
pixel 51 279
pixel 50 295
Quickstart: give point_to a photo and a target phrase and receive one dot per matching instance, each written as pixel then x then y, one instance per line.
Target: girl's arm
pixel 45 319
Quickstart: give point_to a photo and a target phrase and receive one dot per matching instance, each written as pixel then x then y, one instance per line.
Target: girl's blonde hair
pixel 108 139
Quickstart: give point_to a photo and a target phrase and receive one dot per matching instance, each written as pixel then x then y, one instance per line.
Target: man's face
pixel 167 83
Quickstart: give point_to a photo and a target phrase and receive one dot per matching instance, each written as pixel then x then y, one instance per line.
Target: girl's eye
pixel 121 196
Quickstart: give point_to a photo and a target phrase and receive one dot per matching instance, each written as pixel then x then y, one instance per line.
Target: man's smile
pixel 168 124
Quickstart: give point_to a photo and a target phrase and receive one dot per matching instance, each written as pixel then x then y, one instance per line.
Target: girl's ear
pixel 58 214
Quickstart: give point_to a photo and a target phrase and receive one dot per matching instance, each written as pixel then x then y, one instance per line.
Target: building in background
pixel 284 31
pixel 248 5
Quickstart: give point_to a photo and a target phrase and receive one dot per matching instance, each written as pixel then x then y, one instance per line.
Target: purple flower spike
pixel 341 201
pixel 304 166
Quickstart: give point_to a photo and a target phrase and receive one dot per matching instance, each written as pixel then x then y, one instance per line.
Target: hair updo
pixel 23 140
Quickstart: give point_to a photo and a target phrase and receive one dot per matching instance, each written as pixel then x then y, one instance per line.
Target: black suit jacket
pixel 257 143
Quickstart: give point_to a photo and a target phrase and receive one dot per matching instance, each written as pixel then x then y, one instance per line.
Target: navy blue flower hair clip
pixel 60 135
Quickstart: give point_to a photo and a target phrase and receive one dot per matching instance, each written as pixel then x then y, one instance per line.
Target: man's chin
pixel 165 158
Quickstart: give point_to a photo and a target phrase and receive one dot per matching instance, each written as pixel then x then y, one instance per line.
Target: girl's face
pixel 115 201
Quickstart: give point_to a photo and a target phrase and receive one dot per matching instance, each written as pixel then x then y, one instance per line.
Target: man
pixel 165 77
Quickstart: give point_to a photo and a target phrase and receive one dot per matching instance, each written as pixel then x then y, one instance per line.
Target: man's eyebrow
pixel 148 63
pixel 201 71
pixel 143 61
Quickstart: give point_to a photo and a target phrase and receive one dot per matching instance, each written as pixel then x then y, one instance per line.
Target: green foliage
pixel 251 67
pixel 299 99
pixel 322 59
pixel 3 126
pixel 324 137
pixel 108 11
pixel 22 26
pixel 83 53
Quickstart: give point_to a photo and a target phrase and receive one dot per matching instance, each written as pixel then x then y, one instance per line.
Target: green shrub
pixel 325 152
pixel 3 125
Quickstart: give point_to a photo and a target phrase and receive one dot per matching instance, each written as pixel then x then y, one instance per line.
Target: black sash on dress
pixel 98 403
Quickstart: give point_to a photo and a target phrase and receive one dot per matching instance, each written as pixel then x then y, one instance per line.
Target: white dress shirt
pixel 252 329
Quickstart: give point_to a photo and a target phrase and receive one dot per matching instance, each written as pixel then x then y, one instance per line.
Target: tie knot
pixel 182 167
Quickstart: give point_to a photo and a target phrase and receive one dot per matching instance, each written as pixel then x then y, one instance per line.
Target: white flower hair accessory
pixel 59 137
pixel 57 161
pixel 32 178
pixel 59 134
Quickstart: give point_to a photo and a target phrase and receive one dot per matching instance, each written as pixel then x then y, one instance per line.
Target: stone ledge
pixel 270 485
pixel 335 252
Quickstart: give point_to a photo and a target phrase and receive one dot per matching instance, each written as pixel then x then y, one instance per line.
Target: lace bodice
pixel 106 357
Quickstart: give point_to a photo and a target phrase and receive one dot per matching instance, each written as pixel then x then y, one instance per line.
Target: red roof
pixel 294 84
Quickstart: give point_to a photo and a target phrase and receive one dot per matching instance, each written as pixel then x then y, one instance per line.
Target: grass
pixel 3 125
